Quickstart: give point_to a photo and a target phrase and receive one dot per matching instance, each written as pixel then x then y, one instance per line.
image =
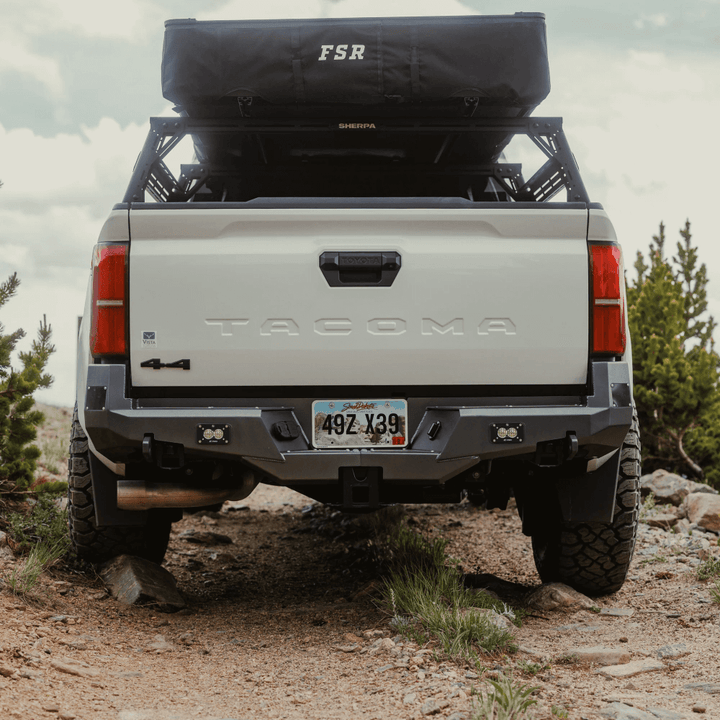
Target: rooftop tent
pixel 491 64
pixel 354 107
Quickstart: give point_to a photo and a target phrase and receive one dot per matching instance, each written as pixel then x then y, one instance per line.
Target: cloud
pixel 56 195
pixel 643 123
pixel 280 9
pixel 87 169
pixel 658 20
pixel 131 21
pixel 16 59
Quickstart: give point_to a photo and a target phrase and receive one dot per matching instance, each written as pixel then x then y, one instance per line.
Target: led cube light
pixel 507 432
pixel 213 434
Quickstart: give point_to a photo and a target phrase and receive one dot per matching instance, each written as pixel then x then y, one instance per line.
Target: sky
pixel 638 86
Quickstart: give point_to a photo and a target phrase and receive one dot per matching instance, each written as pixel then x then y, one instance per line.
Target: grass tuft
pixel 530 668
pixel 715 592
pixel 646 509
pixel 54 455
pixel 41 556
pixel 507 700
pixel 709 569
pixel 45 523
pixel 42 534
pixel 427 600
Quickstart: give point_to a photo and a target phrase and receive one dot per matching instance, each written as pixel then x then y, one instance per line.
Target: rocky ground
pixel 282 621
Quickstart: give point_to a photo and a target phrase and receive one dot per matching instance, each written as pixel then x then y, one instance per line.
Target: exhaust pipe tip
pixel 140 495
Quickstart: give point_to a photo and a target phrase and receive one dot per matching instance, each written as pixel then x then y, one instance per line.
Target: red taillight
pixel 608 311
pixel 107 332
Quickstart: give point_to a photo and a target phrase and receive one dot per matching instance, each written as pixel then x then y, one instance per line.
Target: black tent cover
pixel 407 63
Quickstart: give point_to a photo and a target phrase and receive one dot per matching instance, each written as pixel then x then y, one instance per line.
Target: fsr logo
pixel 341 52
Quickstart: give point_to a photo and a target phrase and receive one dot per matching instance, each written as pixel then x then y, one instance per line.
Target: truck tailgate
pixel 487 296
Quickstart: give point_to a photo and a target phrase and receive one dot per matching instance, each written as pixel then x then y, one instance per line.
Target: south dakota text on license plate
pixel 360 423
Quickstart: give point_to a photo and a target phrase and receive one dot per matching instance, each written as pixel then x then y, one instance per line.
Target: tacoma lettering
pixel 376 326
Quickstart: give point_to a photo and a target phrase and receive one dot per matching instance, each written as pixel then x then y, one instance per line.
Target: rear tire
pixel 594 558
pixel 96 544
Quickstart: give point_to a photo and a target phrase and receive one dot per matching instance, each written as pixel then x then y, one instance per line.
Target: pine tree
pixel 675 365
pixel 18 419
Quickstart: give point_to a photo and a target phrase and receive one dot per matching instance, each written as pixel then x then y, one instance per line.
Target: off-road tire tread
pixel 594 558
pixel 96 544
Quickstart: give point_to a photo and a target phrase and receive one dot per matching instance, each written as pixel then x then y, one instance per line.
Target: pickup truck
pixel 368 307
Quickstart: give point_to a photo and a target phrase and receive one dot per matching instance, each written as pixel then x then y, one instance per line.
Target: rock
pixel 51 707
pixel 621 711
pixel 671 488
pixel 492 617
pixel 7 671
pixel 579 627
pixel 683 526
pixel 6 553
pixel 236 506
pixel 670 652
pixel 699 709
pixel 710 688
pixel 557 596
pixel 663 714
pixel 31 674
pixel 385 645
pixel 373 633
pixel 76 643
pixel 631 669
pixel 430 707
pixel 132 579
pixel 601 655
pixel 352 638
pixel 347 648
pixel 531 651
pixel 159 645
pixel 66 715
pixel 458 716
pixel 205 537
pixel 617 612
pixel 410 698
pixel 704 510
pixel 72 667
pixel 661 520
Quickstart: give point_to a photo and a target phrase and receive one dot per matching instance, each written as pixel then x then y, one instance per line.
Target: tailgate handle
pixel 360 269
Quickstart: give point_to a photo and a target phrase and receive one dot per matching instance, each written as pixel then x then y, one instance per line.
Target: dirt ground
pixel 283 622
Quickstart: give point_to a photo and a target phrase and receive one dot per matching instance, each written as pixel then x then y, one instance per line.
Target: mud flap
pixel 590 497
pixel 104 490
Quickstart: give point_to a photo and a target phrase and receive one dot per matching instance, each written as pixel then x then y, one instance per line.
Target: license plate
pixel 360 423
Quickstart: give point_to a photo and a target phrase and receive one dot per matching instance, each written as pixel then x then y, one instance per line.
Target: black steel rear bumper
pixel 117 425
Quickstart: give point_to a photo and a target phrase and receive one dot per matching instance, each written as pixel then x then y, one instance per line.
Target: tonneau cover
pixel 400 64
